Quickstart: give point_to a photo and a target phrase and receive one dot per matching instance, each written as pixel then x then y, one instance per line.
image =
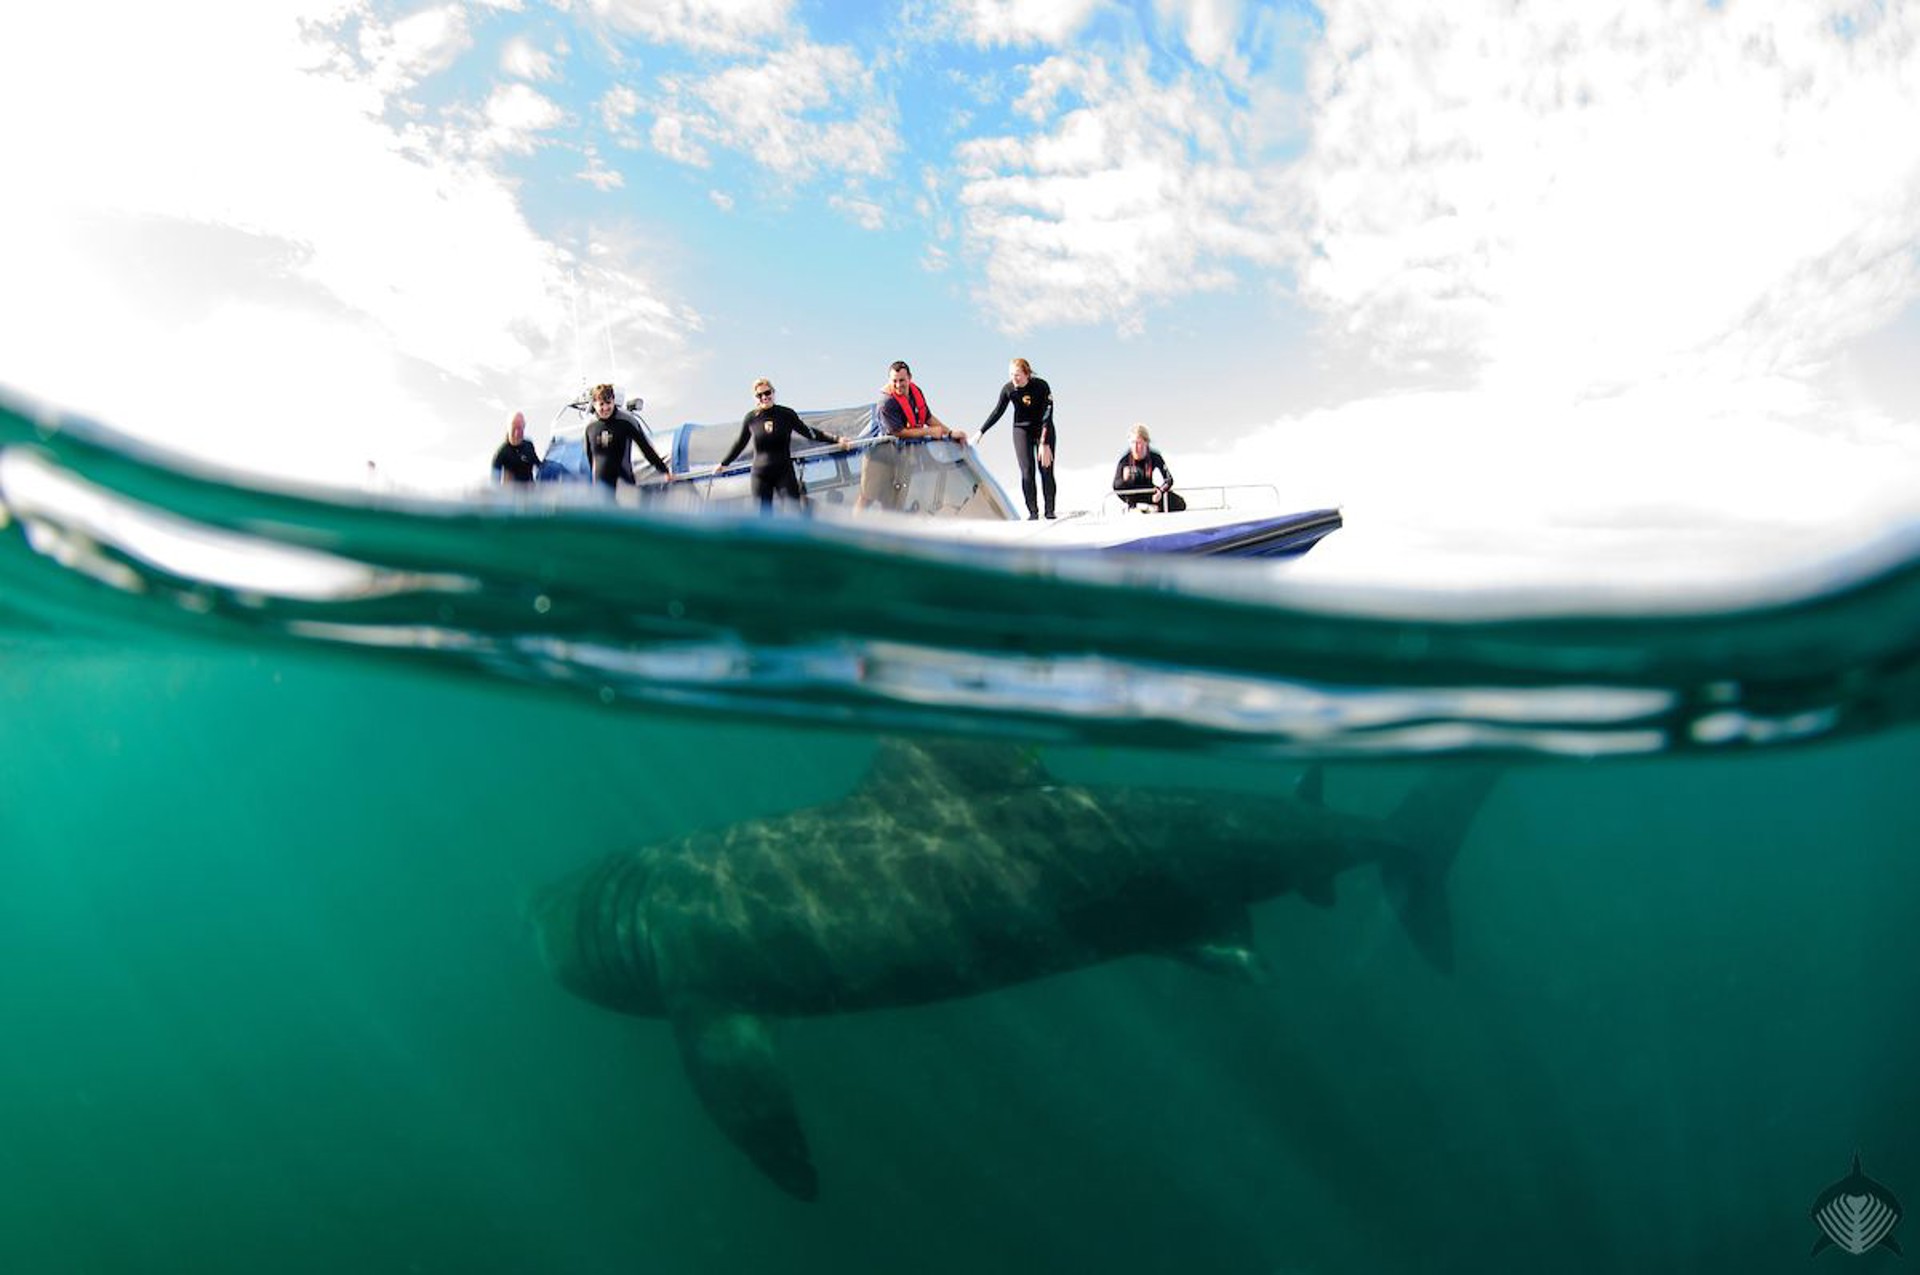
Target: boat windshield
pixel 935 479
pixel 932 478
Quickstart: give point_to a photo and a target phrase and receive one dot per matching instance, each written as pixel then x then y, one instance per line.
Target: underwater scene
pixel 400 885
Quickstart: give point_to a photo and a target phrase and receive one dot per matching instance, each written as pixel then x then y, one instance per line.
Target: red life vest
pixel 912 399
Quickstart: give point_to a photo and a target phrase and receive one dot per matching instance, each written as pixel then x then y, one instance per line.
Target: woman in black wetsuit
pixel 1142 478
pixel 770 428
pixel 1033 439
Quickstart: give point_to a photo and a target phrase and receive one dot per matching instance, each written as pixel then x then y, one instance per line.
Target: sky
pixel 1621 289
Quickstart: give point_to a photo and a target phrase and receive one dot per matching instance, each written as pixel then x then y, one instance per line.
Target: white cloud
pixel 209 268
pixel 1653 250
pixel 401 54
pixel 520 59
pixel 788 112
pixel 1211 29
pixel 596 173
pixel 1131 191
pixel 862 212
pixel 671 137
pixel 721 200
pixel 1013 22
pixel 728 26
pixel 1678 486
pixel 616 109
pixel 1579 199
pixel 516 115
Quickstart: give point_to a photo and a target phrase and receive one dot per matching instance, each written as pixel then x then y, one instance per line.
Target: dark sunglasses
pixel 763 393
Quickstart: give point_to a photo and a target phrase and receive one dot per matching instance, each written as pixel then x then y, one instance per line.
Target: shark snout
pixel 547 919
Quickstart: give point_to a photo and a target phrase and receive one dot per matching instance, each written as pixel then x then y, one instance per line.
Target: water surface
pixel 278 772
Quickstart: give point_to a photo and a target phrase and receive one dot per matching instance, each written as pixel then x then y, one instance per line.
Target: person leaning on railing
pixel 770 428
pixel 901 413
pixel 1142 478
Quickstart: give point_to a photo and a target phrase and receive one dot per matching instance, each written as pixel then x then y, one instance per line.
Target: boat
pixel 947 492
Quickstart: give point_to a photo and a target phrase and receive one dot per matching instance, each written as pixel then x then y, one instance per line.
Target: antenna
pixel 579 355
pixel 612 371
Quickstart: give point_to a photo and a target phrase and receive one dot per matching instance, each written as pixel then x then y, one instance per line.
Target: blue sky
pixel 1528 289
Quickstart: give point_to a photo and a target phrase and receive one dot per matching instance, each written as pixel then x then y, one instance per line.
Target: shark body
pixel 954 869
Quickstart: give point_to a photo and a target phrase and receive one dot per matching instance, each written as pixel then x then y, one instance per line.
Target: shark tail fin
pixel 1430 825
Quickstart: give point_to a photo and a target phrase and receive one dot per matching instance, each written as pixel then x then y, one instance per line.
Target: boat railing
pixel 937 481
pixel 1219 496
pixel 812 449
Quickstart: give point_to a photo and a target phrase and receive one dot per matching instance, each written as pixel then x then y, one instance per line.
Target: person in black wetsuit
pixel 516 461
pixel 770 428
pixel 611 436
pixel 1033 437
pixel 1142 477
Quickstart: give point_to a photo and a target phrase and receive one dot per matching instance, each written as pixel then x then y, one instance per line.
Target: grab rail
pixel 1206 497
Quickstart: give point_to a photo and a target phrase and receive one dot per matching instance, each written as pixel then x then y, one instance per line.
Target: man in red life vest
pixel 901 413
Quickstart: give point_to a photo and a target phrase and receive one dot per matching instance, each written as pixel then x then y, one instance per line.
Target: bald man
pixel 516 461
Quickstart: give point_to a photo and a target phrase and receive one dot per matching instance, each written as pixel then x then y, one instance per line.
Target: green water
pixel 271 1003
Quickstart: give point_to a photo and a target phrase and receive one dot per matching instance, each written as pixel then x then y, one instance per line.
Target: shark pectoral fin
pixel 1229 953
pixel 730 1060
pixel 1228 960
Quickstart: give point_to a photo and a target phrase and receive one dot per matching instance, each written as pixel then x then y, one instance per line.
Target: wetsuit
pixel 518 461
pixel 610 444
pixel 1032 426
pixel 771 430
pixel 1130 475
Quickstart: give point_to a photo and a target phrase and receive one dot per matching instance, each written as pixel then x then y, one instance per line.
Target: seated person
pixel 1142 477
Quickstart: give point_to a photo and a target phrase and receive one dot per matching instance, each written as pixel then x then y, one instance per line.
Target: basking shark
pixel 954 869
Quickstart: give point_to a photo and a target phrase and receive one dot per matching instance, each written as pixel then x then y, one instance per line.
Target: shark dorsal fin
pixel 1311 787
